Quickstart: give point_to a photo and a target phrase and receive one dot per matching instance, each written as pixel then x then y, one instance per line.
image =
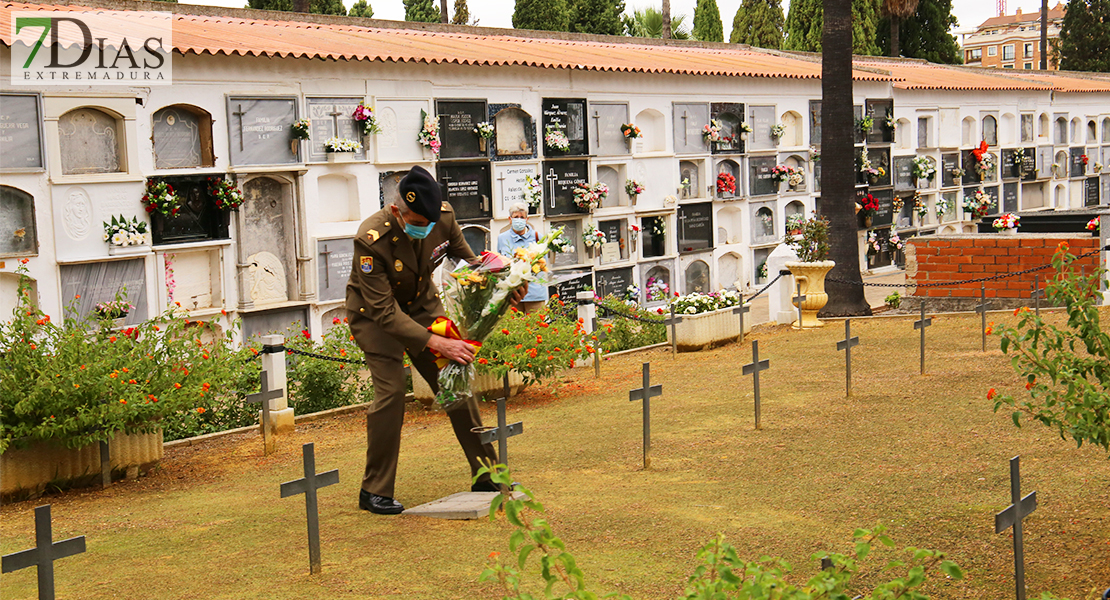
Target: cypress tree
pixel 462 13
pixel 543 15
pixel 806 19
pixel 707 22
pixel 361 9
pixel 320 7
pixel 1084 42
pixel 424 11
pixel 758 23
pixel 599 17
pixel 925 34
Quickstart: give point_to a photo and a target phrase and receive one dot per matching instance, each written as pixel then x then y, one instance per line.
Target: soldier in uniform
pixel 391 301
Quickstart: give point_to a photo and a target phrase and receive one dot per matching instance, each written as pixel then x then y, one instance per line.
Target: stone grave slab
pixel 460 506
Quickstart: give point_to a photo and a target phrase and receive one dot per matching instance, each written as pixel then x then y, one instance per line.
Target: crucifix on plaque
pixel 673 321
pixel 846 345
pixel 982 310
pixel 240 114
pixel 685 131
pixel 798 300
pixel 308 485
pixel 504 430
pixel 740 309
pixel 1037 294
pixel 753 369
pixel 551 179
pixel 43 555
pixel 1012 517
pixel 501 181
pixel 335 114
pixel 597 127
pixel 646 393
pixel 263 397
pixel 922 324
pixel 327 266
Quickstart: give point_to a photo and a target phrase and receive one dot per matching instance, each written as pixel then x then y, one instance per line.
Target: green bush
pixel 536 345
pixel 316 384
pixel 625 334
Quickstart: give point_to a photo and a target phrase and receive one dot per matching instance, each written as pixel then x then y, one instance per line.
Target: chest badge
pixel 439 251
pixel 366 263
pixel 397 264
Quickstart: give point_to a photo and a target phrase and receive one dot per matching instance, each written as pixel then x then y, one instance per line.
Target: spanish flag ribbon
pixel 447 328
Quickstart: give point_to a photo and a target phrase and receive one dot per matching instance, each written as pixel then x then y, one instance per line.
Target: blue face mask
pixel 418 232
pixel 519 225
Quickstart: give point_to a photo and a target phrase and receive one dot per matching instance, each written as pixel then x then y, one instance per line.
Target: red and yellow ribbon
pixel 447 328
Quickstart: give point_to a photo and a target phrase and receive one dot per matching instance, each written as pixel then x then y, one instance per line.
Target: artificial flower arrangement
pixel 227 195
pixel 555 139
pixel 1093 224
pixel 873 245
pixel 984 161
pixel 1098 167
pixel 533 191
pixel 761 272
pixel 1084 158
pixel 779 173
pixel 113 309
pixel 592 237
pixel 867 169
pixel 659 227
pixel 696 303
pixel 364 115
pixel 429 133
pixel 122 231
pixel 923 168
pixel 793 176
pixel 921 206
pixel 630 131
pixel 711 131
pixel 484 130
pixel 865 124
pixel 794 223
pixel 1006 221
pixel 745 127
pixel 1019 161
pixel 634 231
pixel 726 183
pixel 768 221
pixel 633 188
pixel 657 289
pixel 777 130
pixel 589 197
pixel 160 197
pixel 978 204
pixel 301 129
pixel 814 154
pixel 957 172
pixel 684 187
pixel 890 124
pixel 898 204
pixel 475 298
pixel 338 144
pixel 868 205
pixel 631 293
pixel 894 243
pixel 944 205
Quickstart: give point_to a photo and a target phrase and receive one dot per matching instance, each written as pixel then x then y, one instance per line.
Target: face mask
pixel 418 232
pixel 519 225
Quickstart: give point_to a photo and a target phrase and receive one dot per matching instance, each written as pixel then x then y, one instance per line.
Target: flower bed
pixel 29 471
pixel 708 329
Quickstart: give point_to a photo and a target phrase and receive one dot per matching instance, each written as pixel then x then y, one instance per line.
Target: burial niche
pixel 572 230
pixel 477 237
pixel 513 132
pixel 265 243
pixel 611 177
pixel 258 130
pixel 653 127
pixel 197 218
pixel 990 130
pixel 605 125
pixel 332 117
pixel 17 223
pixel 689 178
pixel 653 230
pixel 763 226
pixel 22 132
pixel 697 277
pixel 728 179
pixel 695 227
pixel 657 284
pixel 89 143
pixel 182 137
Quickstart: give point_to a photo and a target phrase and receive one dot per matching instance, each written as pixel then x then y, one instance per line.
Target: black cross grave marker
pixel 981 308
pixel 240 114
pixel 672 321
pixel 308 485
pixel 646 393
pixel 1012 517
pixel 753 369
pixel 922 324
pixel 503 431
pixel 846 345
pixel 1037 294
pixel 263 398
pixel 741 309
pixel 600 334
pixel 43 555
pixel 798 300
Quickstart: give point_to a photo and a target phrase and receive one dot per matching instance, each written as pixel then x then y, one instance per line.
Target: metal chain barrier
pixel 337 359
pixel 631 317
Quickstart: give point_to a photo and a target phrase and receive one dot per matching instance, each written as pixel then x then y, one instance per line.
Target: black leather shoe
pixel 379 505
pixel 488 486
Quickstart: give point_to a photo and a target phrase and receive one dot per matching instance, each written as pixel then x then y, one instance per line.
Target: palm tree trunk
pixel 838 175
pixel 895 31
pixel 1044 35
pixel 443 12
pixel 667 19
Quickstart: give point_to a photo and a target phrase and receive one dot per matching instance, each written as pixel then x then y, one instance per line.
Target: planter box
pixel 707 330
pixel 28 471
pixel 486 387
pixel 342 157
pixel 114 250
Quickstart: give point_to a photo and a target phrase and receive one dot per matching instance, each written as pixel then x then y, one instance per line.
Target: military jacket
pixel 390 295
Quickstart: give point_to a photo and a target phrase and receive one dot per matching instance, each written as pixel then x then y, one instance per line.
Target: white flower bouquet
pixel 555 139
pixel 484 130
pixel 532 194
pixel 923 168
pixel 338 144
pixel 122 231
pixel 592 237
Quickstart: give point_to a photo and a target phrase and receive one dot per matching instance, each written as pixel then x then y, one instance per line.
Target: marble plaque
pixel 177 138
pixel 760 175
pixel 477 238
pixel 100 282
pixel 697 277
pixel 948 163
pixel 903 173
pixel 1010 197
pixel 1090 198
pixel 282 320
pixel 880 157
pixel 880 110
pixel 197 219
pixel 884 215
pixel 615 248
pixel 467 188
pixel 20 132
pixel 1077 168
pixel 400 123
pixel 89 142
pixel 605 127
pixel 614 282
pixel 576 281
pixel 512 182
pixel 331 117
pixel 569 116
pixel 572 230
pixel 688 122
pixel 815 123
pixel 333 267
pixel 695 227
pixel 258 130
pixel 762 118
pixel 654 244
pixel 457 120
pixel 559 181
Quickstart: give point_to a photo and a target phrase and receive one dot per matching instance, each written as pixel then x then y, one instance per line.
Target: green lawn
pixel 924 455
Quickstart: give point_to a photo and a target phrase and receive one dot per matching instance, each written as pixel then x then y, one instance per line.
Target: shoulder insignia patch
pixel 366 263
pixel 373 235
pixel 446 206
pixel 397 264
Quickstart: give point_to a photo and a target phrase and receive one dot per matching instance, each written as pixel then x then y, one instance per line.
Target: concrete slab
pixel 463 505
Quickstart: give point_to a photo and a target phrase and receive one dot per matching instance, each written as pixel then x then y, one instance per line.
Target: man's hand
pixel 456 350
pixel 518 295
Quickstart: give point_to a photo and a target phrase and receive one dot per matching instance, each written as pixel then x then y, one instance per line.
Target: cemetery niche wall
pixel 259 130
pixel 567 116
pixel 18 234
pixel 457 122
pixel 182 137
pixel 21 132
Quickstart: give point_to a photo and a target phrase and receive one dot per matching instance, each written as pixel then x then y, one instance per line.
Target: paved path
pixel 876 296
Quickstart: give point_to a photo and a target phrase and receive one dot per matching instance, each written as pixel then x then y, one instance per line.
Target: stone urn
pixel 811 277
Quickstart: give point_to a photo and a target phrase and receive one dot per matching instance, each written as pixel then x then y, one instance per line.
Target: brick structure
pixel 1012 41
pixel 951 258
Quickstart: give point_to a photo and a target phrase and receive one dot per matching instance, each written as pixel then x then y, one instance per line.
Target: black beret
pixel 421 193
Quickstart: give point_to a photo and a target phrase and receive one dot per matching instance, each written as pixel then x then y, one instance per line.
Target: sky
pixel 499 13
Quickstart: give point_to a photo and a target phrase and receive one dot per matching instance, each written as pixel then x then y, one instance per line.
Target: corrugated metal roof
pixel 245 35
pixel 920 75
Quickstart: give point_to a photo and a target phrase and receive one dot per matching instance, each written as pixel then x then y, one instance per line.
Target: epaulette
pixel 446 207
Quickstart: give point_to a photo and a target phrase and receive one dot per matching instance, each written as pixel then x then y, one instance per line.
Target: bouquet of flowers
pixel 795 177
pixel 761 272
pixel 726 183
pixel 873 246
pixel 869 205
pixel 126 232
pixel 777 130
pixel 228 197
pixel 711 131
pixel 984 161
pixel 365 117
pixel 684 187
pixel 1019 161
pixel 630 131
pixel 555 139
pixel 921 206
pixel 977 204
pixel 779 173
pixel 867 169
pixel 632 293
pixel 633 187
pixel 943 206
pixel 590 197
pixel 890 124
pixel 957 172
pixel 113 309
pixel 923 168
pixel 657 289
pixel 301 130
pixel 659 227
pixel 634 231
pixel 794 223
pixel 865 124
pixel 898 204
pixel 533 191
pixel 1008 221
pixel 338 144
pixel 1098 167
pixel 429 134
pixel 592 237
pixel 745 127
pixel 160 197
pixel 894 242
pixel 475 298
pixel 1093 224
pixel 484 130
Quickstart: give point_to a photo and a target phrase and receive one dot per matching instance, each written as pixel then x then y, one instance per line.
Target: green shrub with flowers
pixel 622 333
pixel 80 381
pixel 316 384
pixel 536 345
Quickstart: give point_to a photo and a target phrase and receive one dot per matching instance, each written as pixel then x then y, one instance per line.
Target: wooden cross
pixel 922 324
pixel 308 485
pixel 327 266
pixel 740 309
pixel 646 393
pixel 982 310
pixel 685 132
pixel 502 432
pixel 43 555
pixel 1012 517
pixel 846 345
pixel 1037 294
pixel 551 179
pixel 240 114
pixel 263 398
pixel 600 334
pixel 798 300
pixel 753 369
pixel 672 321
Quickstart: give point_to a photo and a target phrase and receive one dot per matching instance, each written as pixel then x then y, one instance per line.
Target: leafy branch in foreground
pixel 1066 370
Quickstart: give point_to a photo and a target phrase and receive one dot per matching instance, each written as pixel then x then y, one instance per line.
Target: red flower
pixel 980 151
pixel 306 334
pixel 335 321
pixel 991 393
pixel 483 361
pixel 505 331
